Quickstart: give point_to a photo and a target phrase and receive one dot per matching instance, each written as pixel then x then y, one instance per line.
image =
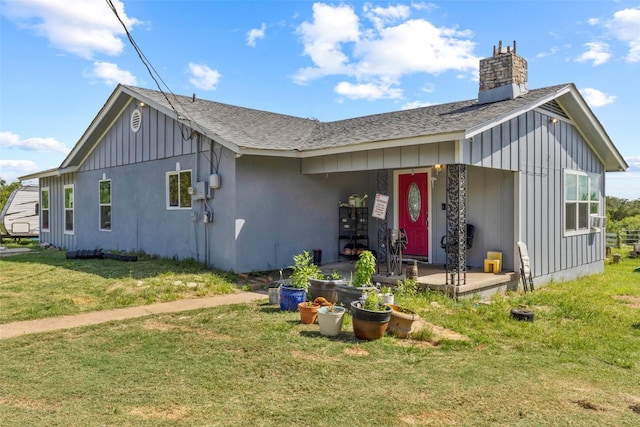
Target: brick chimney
pixel 503 76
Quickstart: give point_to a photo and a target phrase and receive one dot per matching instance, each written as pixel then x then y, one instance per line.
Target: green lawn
pixel 577 364
pixel 44 283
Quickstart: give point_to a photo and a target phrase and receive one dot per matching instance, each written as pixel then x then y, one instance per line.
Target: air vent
pixel 555 108
pixel 136 120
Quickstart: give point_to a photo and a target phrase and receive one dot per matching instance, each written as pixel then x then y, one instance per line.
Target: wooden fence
pixel 623 237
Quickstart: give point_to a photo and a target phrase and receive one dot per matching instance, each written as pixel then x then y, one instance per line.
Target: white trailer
pixel 20 216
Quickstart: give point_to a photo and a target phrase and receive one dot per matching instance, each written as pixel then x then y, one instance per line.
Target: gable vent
pixel 555 108
pixel 136 120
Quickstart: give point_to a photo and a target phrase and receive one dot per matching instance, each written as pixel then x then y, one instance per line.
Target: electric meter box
pixel 198 191
pixel 214 181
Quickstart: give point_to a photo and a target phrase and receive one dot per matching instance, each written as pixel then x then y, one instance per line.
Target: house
pixel 244 190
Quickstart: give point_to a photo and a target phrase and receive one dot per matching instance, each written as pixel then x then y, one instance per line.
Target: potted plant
pixel 295 291
pixel 330 319
pixel 402 320
pixel 365 267
pixel 309 309
pixel 325 286
pixel 370 316
pixel 386 294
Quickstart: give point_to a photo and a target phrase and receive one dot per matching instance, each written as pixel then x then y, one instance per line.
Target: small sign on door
pixel 380 206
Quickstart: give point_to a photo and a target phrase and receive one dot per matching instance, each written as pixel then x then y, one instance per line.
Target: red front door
pixel 412 212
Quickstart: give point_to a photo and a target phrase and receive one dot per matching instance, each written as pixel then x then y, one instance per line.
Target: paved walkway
pixel 9 330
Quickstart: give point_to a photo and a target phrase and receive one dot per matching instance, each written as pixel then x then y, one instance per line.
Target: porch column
pixel 382 186
pixel 456 237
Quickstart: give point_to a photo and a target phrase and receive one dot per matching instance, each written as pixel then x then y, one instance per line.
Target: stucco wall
pixel 281 212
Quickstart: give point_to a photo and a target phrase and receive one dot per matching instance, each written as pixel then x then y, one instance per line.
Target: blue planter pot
pixel 291 297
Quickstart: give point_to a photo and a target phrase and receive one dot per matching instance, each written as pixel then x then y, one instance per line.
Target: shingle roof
pixel 257 129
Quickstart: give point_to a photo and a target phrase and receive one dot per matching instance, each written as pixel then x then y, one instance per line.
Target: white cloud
pixel 552 51
pixel 51 145
pixel 81 27
pixel 111 74
pixel 596 98
pixel 203 77
pixel 633 162
pixel 625 26
pixel 255 34
pixel 368 91
pixel 10 170
pixel 415 104
pixel 598 52
pixel 382 49
pixel 381 16
pixel 331 27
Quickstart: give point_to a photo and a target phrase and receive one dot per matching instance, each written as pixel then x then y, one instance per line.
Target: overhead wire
pixel 156 76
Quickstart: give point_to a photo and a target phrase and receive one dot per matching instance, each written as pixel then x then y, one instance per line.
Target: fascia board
pixel 475 130
pixel 392 143
pixel 41 174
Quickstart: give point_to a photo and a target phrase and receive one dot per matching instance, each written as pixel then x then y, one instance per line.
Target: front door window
pixel 413 202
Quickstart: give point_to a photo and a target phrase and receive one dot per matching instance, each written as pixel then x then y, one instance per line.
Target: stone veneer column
pixel 456 236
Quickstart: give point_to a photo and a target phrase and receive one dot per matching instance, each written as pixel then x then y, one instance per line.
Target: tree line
pixel 622 214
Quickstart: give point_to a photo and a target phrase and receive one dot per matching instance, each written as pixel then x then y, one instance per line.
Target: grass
pixel 577 364
pixel 44 283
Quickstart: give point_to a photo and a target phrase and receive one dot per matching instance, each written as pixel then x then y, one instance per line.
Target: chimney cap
pixel 502 50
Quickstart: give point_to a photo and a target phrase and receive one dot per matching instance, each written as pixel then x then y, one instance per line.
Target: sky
pixel 60 60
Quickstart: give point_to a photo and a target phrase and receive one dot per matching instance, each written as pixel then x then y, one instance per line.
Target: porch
pixel 434 277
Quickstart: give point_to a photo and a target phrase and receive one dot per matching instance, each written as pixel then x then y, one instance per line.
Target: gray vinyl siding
pixel 159 137
pixel 387 158
pixel 540 151
pixel 56 235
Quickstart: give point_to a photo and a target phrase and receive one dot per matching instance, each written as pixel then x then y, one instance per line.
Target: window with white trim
pixel 44 209
pixel 105 204
pixel 581 200
pixel 178 184
pixel 68 209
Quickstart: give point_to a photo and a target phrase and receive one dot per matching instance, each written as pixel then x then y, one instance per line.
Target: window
pixel 105 204
pixel 178 184
pixel 581 200
pixel 68 209
pixel 44 208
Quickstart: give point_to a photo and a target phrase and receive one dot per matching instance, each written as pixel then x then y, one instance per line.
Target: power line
pixel 153 73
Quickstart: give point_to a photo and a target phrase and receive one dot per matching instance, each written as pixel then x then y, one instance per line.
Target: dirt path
pixel 9 330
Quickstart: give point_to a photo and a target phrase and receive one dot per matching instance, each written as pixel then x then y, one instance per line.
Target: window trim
pixel 101 205
pixel 48 209
pixel 168 193
pixel 589 202
pixel 72 208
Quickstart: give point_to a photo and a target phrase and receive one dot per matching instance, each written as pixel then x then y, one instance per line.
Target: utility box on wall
pixel 198 191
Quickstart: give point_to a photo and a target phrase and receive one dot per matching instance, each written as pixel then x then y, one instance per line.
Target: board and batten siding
pixel 384 158
pixel 159 137
pixel 540 151
pixel 56 234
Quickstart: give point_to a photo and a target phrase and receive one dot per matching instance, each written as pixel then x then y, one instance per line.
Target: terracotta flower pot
pixel 401 321
pixel 308 313
pixel 330 320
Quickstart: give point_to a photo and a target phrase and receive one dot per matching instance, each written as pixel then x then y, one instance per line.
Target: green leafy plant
pixel 407 288
pixel 303 270
pixel 365 268
pixel 386 290
pixel 335 275
pixel 373 302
